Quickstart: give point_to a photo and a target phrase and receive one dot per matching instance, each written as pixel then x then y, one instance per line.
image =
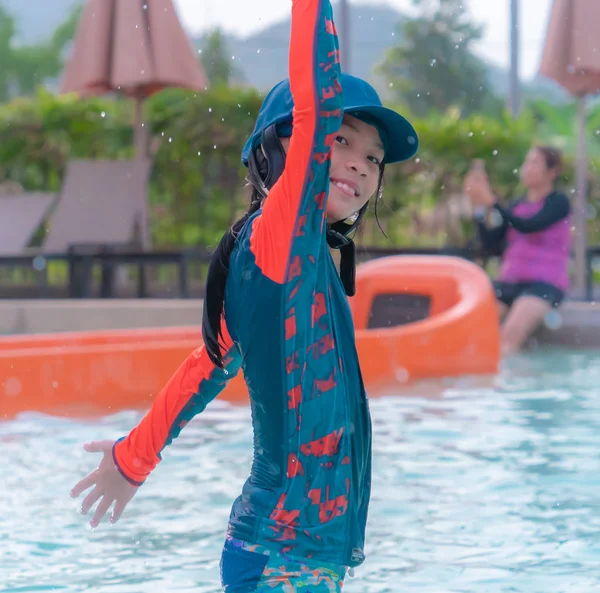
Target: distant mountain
pixel 37 19
pixel 262 57
pixel 537 88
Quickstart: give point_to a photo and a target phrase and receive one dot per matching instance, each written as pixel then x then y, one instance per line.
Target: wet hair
pixel 552 157
pixel 263 172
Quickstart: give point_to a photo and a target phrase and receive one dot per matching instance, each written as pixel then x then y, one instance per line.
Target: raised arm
pixel 293 218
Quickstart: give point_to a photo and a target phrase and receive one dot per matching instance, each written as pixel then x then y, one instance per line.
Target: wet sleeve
pixel 555 208
pixel 193 386
pixel 293 217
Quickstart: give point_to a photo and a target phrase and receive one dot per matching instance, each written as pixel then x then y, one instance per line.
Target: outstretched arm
pixel 193 386
pixel 128 462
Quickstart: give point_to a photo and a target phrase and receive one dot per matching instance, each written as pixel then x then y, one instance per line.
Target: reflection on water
pixel 481 486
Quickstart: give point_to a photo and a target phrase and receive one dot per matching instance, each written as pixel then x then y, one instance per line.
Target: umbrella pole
pixel 141 147
pixel 581 204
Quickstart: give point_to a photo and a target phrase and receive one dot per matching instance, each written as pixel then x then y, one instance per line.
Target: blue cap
pixel 360 99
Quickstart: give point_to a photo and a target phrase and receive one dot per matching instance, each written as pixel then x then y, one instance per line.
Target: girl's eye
pixel 341 140
pixel 375 160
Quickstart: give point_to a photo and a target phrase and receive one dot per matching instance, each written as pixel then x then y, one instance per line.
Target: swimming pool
pixel 485 490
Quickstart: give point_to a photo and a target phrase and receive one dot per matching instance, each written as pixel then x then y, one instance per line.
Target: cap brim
pixel 402 140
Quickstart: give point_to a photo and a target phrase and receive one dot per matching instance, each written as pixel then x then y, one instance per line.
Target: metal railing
pixel 82 260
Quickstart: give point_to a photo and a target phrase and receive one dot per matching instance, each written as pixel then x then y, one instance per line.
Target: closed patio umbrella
pixel 136 48
pixel 572 58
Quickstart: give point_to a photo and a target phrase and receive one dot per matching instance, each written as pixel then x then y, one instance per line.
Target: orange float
pixel 415 317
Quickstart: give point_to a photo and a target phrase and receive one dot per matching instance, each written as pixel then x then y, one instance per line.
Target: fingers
pixel 84 484
pixel 98 446
pixel 90 499
pixel 101 511
pixel 118 510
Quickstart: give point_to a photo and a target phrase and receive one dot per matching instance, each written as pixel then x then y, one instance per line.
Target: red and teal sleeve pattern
pixel 286 238
pixel 192 387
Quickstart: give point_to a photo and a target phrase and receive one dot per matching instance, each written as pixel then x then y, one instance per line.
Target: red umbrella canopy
pixel 135 47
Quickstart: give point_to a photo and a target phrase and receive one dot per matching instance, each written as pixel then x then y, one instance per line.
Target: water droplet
pixel 515 171
pixel 214 147
pixel 553 319
pixel 402 375
pixel 417 160
pixel 495 152
pixel 103 114
pixel 38 263
pixel 433 63
pixel 258 51
pixel 12 386
pixel 170 139
pixel 233 57
pixel 199 152
pixel 411 139
pixel 391 84
pixel 210 110
pixel 470 134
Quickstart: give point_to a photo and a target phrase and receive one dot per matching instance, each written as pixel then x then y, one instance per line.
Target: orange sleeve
pixel 193 386
pixel 292 224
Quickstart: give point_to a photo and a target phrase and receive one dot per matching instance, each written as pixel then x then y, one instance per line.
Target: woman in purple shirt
pixel 533 235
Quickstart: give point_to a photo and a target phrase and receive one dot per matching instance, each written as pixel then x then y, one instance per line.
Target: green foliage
pixel 197 183
pixel 219 66
pixel 26 67
pixel 434 67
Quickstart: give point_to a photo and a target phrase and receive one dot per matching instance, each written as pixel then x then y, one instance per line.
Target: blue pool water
pixel 478 488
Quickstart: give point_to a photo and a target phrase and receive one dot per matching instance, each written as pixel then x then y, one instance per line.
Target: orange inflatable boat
pixel 416 317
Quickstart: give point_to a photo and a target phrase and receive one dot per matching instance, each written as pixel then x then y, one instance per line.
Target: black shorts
pixel 509 292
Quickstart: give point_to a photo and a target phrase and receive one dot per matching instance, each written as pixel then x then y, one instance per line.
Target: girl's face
pixel 535 172
pixel 356 157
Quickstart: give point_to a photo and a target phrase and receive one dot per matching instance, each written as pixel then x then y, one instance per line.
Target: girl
pixel 534 236
pixel 276 307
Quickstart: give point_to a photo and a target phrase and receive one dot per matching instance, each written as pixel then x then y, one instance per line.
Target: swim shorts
pixel 509 292
pixel 247 568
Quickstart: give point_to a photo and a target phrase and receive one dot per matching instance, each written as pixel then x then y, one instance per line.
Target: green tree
pixel 217 62
pixel 25 67
pixel 434 67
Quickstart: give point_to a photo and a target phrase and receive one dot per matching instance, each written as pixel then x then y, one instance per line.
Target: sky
pixel 245 17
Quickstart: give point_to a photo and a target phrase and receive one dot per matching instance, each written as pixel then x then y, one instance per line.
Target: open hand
pixel 109 486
